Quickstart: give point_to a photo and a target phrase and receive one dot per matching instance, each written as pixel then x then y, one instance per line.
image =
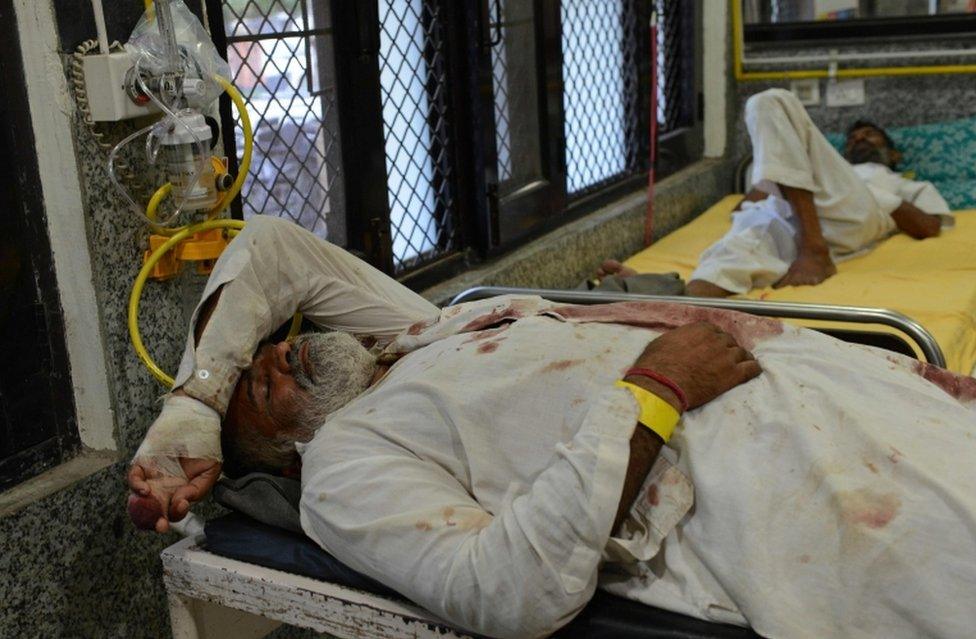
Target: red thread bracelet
pixel 667 381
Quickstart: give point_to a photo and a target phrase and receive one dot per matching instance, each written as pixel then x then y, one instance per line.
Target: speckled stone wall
pixel 71 564
pixel 890 101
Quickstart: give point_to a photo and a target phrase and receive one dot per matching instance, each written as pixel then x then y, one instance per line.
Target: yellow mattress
pixel 932 281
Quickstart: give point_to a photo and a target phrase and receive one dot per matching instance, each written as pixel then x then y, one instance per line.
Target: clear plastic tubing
pixel 115 178
pixel 202 148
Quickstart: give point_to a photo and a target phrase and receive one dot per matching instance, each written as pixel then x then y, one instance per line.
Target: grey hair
pixel 339 369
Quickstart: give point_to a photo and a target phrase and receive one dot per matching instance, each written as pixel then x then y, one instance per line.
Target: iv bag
pixel 200 56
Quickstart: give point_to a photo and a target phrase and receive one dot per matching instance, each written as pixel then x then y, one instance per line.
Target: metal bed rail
pixel 853 314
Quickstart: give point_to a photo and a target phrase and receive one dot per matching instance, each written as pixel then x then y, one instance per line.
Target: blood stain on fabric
pixel 510 313
pixel 448 513
pixel 489 347
pixel 746 329
pixel 561 365
pixel 895 454
pixel 653 496
pixel 865 508
pixel 417 327
pixel 958 386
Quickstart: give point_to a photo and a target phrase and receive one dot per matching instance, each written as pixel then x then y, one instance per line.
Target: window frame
pixel 64 438
pixel 468 30
pixel 858 30
pixel 684 144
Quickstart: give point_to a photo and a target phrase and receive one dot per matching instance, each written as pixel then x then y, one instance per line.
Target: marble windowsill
pixel 51 481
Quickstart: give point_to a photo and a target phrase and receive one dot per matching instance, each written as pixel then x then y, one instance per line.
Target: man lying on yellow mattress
pixel 809 205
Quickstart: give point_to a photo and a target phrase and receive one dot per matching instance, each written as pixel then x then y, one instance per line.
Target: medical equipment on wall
pixel 170 69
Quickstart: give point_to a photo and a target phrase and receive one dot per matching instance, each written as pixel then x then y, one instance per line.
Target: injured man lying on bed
pixel 809 207
pixel 484 461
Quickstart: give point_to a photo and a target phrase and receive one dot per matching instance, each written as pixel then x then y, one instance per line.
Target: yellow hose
pixel 140 282
pixel 245 166
pixel 179 234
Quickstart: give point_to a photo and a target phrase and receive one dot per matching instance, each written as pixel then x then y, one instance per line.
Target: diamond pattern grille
pixel 601 95
pixel 280 54
pixel 670 67
pixel 420 179
pixel 515 85
pixel 499 74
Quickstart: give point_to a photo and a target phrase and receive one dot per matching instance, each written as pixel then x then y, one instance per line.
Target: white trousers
pixel 789 150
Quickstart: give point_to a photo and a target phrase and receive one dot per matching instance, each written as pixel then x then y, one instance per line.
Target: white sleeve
pixel 523 571
pixel 271 270
pixel 887 201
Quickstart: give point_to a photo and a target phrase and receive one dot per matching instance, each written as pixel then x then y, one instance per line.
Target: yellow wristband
pixel 655 413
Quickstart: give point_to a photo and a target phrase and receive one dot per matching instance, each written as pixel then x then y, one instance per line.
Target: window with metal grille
pixel 600 75
pixel 413 85
pixel 674 67
pixel 605 52
pixel 280 54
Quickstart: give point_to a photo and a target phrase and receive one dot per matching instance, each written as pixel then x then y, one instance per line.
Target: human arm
pixel 704 362
pixel 812 264
pixel 915 222
pixel 272 269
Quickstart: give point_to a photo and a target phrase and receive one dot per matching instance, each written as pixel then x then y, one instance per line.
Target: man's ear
pixel 896 157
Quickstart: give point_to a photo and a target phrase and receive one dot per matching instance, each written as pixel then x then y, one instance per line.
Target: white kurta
pixel 854 202
pixel 832 495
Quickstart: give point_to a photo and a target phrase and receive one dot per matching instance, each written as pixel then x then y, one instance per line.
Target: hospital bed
pixel 241 578
pixel 932 281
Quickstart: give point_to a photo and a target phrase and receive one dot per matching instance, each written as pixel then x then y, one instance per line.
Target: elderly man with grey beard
pixel 497 461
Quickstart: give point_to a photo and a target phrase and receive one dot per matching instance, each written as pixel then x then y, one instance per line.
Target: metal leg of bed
pixel 853 314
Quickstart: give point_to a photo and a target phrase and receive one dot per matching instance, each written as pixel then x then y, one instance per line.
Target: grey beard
pixel 864 153
pixel 339 370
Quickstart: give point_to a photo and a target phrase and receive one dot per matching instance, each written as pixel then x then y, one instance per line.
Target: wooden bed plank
pixel 191 573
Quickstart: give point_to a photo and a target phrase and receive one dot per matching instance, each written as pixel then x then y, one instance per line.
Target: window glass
pixel 601 91
pixel 280 53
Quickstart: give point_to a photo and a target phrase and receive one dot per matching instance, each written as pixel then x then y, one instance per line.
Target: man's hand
pixel 158 498
pixel 811 267
pixel 915 222
pixel 177 463
pixel 701 359
pixel 704 362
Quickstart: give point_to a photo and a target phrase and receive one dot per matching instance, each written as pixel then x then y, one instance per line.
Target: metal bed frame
pixel 849 314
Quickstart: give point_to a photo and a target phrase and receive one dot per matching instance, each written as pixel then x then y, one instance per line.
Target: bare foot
pixel 916 223
pixel 701 288
pixel 809 268
pixel 613 267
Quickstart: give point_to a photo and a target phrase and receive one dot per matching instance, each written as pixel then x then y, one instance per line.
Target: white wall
pixel 51 110
pixel 715 76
